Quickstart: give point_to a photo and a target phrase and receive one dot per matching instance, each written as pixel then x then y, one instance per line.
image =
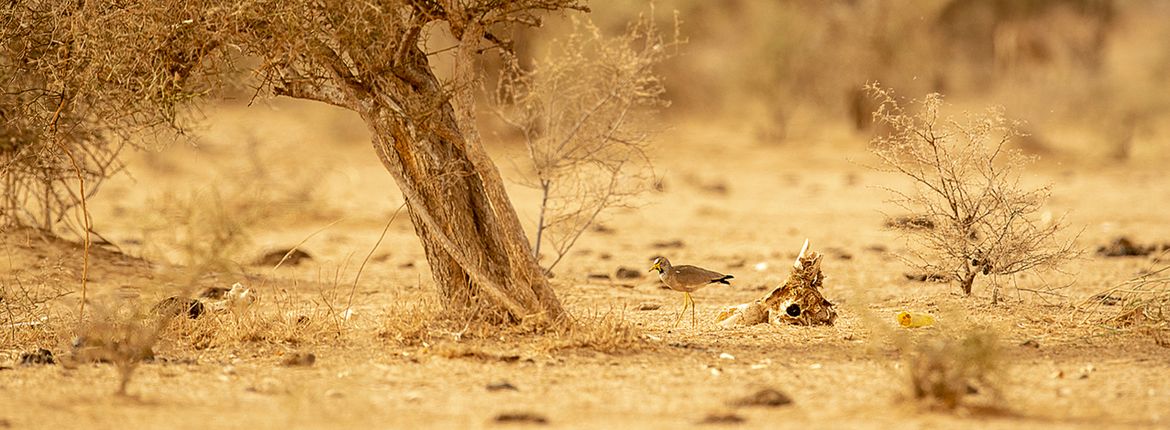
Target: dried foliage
pixel 26 309
pixel 585 111
pixel 1141 304
pixel 951 373
pixel 119 333
pixel 966 184
pixel 124 67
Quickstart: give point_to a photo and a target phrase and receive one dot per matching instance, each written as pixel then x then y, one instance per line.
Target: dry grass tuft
pixel 1143 306
pixel 609 332
pixel 422 325
pixel 950 373
pixel 411 324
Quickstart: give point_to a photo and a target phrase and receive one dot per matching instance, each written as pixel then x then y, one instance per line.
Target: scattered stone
pixel 272 258
pixel 598 276
pixel 300 359
pixel 668 244
pixel 877 248
pixel 628 273
pixel 649 306
pixel 38 357
pixel 1031 343
pixel 174 306
pixel 737 263
pixel 723 418
pixel 521 417
pixel 501 385
pixel 767 397
pixel 927 277
pixel 605 256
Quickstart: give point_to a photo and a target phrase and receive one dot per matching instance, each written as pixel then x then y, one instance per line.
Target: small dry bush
pixel 949 373
pixel 118 332
pixel 966 184
pixel 28 315
pixel 586 113
pixel 1143 306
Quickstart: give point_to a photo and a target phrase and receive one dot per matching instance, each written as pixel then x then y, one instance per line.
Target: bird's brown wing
pixel 694 276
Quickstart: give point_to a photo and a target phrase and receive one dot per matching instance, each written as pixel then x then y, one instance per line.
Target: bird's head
pixel 658 263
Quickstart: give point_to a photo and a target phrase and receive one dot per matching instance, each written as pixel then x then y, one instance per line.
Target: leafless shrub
pixel 119 333
pixel 966 184
pixel 1142 305
pixel 950 373
pixel 27 314
pixel 584 111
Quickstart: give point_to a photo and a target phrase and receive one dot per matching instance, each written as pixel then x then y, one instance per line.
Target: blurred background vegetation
pixel 1090 77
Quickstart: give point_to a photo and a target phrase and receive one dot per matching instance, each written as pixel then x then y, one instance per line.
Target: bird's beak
pixel 653 268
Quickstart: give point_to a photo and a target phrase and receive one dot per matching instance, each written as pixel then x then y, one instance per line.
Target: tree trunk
pixel 425 135
pixel 967 280
pixel 483 268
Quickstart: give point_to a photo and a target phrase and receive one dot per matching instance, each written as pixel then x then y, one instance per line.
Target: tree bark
pixel 479 257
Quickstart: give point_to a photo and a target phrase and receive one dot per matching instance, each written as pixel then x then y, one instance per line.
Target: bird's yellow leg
pixel 694 321
pixel 680 312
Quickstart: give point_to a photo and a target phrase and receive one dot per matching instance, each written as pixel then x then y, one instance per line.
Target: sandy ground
pixel 737 206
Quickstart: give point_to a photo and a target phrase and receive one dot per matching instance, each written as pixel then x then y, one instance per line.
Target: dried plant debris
pixel 1141 305
pixel 1125 247
pixel 798 301
pixel 38 357
pixel 174 306
pixel 669 244
pixel 949 373
pixel 521 417
pixel 910 222
pixel 299 359
pixel 214 293
pixel 927 277
pixel 283 257
pixel 765 397
pixel 649 306
pixel 628 273
pixel 723 418
pixel 501 385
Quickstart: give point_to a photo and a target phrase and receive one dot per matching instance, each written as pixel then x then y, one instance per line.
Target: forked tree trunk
pixel 425 136
pixel 478 254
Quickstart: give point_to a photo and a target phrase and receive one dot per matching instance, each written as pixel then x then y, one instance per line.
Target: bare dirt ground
pixel 303 173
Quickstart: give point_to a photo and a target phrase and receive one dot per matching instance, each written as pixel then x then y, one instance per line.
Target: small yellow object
pixel 907 319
